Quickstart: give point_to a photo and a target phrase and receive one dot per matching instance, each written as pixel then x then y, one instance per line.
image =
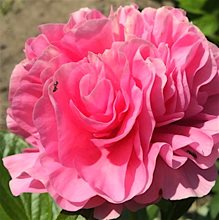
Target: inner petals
pixel 97 100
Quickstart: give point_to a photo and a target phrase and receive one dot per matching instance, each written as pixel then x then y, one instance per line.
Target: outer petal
pixel 18 73
pixel 81 16
pixel 21 168
pixel 28 99
pixel 187 181
pixel 93 35
pixel 34 47
pixel 76 190
pixel 49 29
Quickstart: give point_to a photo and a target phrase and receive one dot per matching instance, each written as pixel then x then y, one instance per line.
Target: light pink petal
pixel 183 91
pixel 17 164
pixel 25 185
pixel 20 167
pixel 172 160
pixel 166 24
pixel 211 127
pixel 127 22
pixel 184 49
pixel 65 204
pixel 76 189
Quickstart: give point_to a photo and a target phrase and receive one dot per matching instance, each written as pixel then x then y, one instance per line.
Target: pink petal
pixel 108 211
pixel 197 182
pixel 49 29
pixel 23 102
pixel 76 190
pixel 20 167
pixel 93 35
pixel 82 16
pixel 34 47
pixel 18 73
pixel 47 131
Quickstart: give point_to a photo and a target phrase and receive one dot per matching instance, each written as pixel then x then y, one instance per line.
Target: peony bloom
pixel 120 111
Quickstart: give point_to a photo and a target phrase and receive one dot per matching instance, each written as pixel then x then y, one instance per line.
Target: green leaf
pixel 213 206
pixel 215 189
pixel 141 214
pixel 152 211
pixel 3 214
pixel 39 206
pixel 214 211
pixel 64 215
pixel 125 215
pixel 192 6
pixel 208 24
pixel 217 164
pixel 172 210
pixel 11 144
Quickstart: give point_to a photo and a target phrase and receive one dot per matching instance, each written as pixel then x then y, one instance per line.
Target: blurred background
pixel 19 20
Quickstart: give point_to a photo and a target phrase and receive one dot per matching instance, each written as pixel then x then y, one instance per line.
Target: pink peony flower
pixel 120 111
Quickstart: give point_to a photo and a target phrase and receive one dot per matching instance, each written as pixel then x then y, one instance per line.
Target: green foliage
pixel 204 14
pixel 10 144
pixel 214 203
pixel 25 207
pixel 172 210
pixel 195 7
pixel 141 214
pixel 152 211
pixel 65 216
pixel 6 6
